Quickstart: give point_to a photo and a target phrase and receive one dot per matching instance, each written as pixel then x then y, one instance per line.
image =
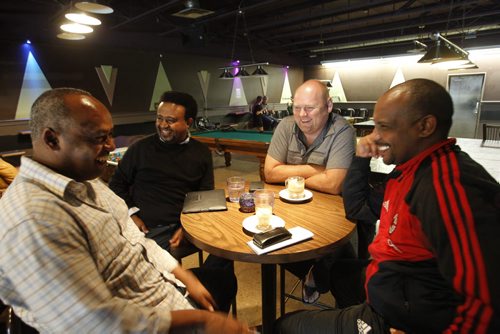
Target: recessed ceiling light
pixel 93 7
pixel 76 28
pixel 70 36
pixel 83 19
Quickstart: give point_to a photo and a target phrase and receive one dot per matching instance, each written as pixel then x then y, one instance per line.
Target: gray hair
pixel 50 111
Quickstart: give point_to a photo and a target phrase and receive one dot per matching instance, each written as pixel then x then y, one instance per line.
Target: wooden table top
pixel 221 233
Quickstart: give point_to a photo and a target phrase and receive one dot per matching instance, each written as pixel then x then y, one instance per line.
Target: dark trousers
pixel 220 282
pixel 355 319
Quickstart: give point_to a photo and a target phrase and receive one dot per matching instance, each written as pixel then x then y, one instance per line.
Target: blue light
pixel 28 41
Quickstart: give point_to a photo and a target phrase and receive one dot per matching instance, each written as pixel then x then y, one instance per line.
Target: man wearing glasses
pixel 315 144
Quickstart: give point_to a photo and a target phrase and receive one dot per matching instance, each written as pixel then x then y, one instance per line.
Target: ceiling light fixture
pixel 259 71
pixel 242 72
pixel 70 36
pixel 226 74
pixel 418 47
pixel 83 18
pixel 76 28
pixel 444 51
pixel 93 7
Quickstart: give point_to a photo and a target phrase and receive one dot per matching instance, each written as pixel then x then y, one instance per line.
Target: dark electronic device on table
pixel 269 238
pixel 254 185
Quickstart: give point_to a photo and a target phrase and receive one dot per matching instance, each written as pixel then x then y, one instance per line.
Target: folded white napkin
pixel 298 234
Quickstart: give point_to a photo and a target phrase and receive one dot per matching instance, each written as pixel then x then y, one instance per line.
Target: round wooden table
pixel 221 233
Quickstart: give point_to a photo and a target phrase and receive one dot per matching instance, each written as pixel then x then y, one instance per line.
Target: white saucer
pixel 250 223
pixel 307 196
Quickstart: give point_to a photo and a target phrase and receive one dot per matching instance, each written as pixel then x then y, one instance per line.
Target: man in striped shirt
pixel 72 260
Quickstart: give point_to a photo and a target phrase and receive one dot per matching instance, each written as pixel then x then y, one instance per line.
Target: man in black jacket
pixel 433 265
pixel 158 171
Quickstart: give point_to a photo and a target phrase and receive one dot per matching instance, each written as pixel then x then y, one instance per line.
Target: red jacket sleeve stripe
pixel 459 223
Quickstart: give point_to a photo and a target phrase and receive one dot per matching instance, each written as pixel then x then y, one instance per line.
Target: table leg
pixel 227 157
pixel 268 276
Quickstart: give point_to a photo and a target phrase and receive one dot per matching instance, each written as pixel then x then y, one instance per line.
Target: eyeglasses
pixel 307 109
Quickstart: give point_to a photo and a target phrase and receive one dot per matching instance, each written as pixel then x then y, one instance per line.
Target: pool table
pixel 248 142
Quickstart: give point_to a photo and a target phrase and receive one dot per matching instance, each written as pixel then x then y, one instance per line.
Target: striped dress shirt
pixel 73 261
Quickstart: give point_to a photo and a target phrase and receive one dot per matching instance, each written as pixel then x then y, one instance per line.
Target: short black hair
pixel 50 110
pixel 183 99
pixel 429 98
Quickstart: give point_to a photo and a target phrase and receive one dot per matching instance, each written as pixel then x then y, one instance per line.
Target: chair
pixel 11 324
pixel 363 112
pixel 491 135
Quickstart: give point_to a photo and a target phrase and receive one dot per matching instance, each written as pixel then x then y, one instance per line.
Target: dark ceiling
pixel 303 32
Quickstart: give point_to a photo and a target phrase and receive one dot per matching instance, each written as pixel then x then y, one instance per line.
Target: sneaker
pixel 309 292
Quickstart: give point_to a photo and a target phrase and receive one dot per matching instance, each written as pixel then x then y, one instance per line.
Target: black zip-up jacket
pixel 435 264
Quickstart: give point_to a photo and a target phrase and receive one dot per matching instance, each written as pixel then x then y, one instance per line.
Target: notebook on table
pixel 205 200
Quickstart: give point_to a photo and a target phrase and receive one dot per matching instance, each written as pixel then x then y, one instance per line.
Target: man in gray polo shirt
pixel 315 144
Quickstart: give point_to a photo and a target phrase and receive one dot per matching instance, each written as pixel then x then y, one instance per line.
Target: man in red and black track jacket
pixel 433 266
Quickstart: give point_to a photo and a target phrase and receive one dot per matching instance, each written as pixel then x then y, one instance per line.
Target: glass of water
pixel 235 187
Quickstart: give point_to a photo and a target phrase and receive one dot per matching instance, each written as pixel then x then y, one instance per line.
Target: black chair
pixel 350 112
pixel 491 135
pixel 363 112
pixel 12 324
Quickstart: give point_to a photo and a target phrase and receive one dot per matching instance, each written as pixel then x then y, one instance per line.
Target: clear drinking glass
pixel 235 187
pixel 264 202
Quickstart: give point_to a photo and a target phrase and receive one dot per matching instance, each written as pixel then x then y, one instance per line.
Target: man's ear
pixel 427 125
pixel 189 121
pixel 329 104
pixel 50 139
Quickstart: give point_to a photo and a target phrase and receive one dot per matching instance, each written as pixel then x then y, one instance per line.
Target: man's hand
pixel 196 290
pixel 211 322
pixel 367 147
pixel 140 224
pixel 201 295
pixel 177 238
pixel 221 323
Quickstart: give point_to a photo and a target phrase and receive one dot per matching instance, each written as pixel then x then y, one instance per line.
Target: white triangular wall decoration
pixel 238 97
pixel 264 80
pixel 108 81
pixel 398 78
pixel 286 92
pixel 162 85
pixel 107 70
pixel 34 84
pixel 204 79
pixel 337 91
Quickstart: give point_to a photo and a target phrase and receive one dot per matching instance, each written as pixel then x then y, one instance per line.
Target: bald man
pixel 315 143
